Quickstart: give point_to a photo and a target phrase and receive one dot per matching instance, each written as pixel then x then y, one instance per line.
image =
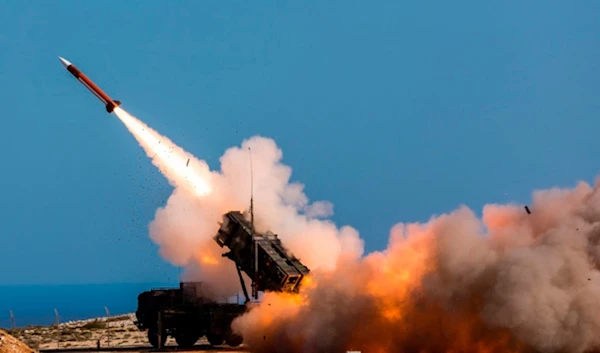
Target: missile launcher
pixel 261 256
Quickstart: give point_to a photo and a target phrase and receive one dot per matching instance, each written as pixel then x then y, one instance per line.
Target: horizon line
pixel 83 284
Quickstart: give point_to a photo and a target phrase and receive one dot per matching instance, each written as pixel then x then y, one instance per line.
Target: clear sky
pixel 394 111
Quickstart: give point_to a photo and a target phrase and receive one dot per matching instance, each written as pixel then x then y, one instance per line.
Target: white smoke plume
pixel 185 226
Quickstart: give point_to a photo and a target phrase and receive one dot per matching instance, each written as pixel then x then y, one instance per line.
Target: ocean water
pixel 34 305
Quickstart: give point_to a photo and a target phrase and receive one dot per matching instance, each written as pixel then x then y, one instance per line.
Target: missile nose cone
pixel 64 61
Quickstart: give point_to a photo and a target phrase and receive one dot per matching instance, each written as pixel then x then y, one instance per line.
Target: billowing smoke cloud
pixel 508 282
pixel 185 226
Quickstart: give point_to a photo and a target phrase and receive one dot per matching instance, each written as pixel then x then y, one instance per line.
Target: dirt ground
pixel 197 349
pixel 9 344
pixel 115 334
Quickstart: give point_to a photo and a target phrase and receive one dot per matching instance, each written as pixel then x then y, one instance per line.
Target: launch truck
pixel 186 313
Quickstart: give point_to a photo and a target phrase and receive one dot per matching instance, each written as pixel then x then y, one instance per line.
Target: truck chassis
pixel 168 312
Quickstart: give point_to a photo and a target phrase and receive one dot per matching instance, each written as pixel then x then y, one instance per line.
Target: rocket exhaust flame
pixel 513 281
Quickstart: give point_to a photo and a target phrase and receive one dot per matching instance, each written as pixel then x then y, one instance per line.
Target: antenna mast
pixel 251 191
pixel 255 284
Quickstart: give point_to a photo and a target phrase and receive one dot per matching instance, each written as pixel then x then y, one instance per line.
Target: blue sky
pixel 393 111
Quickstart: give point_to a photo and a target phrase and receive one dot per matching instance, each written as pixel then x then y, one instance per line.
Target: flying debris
pixel 187 163
pixel 527 210
pixel 109 102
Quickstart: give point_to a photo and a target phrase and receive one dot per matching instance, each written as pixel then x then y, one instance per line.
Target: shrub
pixel 94 325
pixel 118 318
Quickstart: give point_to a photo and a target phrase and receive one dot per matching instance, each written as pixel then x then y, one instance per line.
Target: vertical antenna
pixel 57 328
pixel 107 325
pixel 255 284
pixel 251 191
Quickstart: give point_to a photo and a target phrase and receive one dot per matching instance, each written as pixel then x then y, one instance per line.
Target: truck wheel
pixel 233 340
pixel 214 340
pixel 186 340
pixel 153 338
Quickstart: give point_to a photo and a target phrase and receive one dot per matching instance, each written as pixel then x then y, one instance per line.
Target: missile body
pixel 104 98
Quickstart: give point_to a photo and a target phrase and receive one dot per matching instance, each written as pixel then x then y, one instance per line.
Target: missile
pixel 104 98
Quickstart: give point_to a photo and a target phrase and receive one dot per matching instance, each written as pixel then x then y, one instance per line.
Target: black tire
pixel 233 340
pixel 153 337
pixel 186 340
pixel 214 340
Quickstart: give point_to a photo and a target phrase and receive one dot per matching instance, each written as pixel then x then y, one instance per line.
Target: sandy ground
pixel 9 344
pixel 198 349
pixel 117 332
pixel 113 332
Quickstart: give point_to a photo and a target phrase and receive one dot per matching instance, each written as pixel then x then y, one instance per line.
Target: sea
pixel 35 305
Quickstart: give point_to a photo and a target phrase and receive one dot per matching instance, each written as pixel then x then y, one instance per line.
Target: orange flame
pixel 208 260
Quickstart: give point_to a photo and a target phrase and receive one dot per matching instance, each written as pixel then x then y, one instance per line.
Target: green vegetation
pixel 118 318
pixel 94 325
pixel 14 332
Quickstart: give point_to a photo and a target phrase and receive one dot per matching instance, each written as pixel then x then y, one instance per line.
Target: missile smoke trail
pixel 169 158
pixel 509 282
pixel 185 226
